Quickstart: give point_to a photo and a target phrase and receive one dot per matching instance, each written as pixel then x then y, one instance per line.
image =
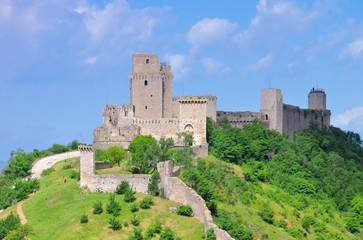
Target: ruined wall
pixel 295 118
pixel 239 119
pixel 108 183
pixel 114 136
pixel 175 190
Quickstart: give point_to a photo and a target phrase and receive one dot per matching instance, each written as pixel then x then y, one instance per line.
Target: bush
pixel 136 235
pixel 146 203
pixel 135 221
pixel 153 185
pixel 185 210
pixel 67 166
pixel 155 228
pixel 47 172
pixel 210 235
pixel 167 234
pixel 134 207
pixel 8 224
pixel 267 214
pixel 75 175
pixel 97 207
pixel 129 196
pixel 307 222
pixel 122 188
pixel 113 207
pixel 115 224
pixel 84 218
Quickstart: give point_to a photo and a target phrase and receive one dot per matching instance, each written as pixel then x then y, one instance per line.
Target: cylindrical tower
pixel 317 99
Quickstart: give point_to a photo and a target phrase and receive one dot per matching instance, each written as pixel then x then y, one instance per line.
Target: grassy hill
pixel 54 212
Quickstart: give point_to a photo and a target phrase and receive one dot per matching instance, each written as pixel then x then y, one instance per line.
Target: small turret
pixel 317 99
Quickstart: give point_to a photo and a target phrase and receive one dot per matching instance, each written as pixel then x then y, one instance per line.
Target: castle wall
pixel 108 183
pixel 211 103
pixel 175 190
pixel 317 99
pixel 239 119
pixel 295 118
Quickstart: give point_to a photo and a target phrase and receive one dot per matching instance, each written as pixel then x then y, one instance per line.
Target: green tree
pixel 115 155
pixel 144 152
pixel 113 207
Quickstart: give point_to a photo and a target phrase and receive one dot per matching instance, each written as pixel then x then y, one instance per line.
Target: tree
pixel 115 155
pixel 144 152
pixel 113 207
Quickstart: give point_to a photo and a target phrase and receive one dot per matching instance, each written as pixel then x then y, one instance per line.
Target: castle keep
pixel 153 110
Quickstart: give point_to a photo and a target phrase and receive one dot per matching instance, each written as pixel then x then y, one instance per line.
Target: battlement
pixel 317 90
pixel 192 100
pixel 85 149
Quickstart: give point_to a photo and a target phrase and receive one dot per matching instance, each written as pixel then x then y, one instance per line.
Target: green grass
pixel 55 210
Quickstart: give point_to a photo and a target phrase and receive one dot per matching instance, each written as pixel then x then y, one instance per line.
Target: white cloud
pixel 90 60
pixel 6 10
pixel 213 66
pixel 117 18
pixel 353 49
pixel 277 20
pixel 347 118
pixel 210 31
pixel 179 66
pixel 261 63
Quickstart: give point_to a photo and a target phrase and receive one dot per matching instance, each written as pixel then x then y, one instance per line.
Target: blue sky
pixel 62 61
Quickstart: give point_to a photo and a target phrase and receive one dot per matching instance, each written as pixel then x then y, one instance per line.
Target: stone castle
pixel 153 110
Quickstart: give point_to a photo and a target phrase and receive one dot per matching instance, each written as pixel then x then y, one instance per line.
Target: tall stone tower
pixel 150 86
pixel 317 99
pixel 272 108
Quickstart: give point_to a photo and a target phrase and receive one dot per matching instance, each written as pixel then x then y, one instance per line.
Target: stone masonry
pixel 276 115
pixel 173 188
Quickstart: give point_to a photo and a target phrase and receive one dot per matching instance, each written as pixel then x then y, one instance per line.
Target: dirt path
pixel 19 210
pixel 47 162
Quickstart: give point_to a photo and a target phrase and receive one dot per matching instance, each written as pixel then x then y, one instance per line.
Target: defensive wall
pixel 172 187
pixel 276 115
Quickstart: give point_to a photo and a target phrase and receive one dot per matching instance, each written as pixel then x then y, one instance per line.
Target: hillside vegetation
pixel 269 186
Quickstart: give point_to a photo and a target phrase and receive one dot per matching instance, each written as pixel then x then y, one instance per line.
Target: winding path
pixel 39 166
pixel 48 162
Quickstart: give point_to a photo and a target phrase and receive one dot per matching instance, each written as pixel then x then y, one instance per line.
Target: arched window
pixel 147 61
pixel 145 82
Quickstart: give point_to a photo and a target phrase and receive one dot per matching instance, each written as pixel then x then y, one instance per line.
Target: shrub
pixel 135 221
pixel 113 207
pixel 281 224
pixel 115 224
pixel 146 203
pixel 185 210
pixel 47 172
pixel 8 224
pixel 84 218
pixel 210 235
pixel 167 234
pixel 75 175
pixel 97 207
pixel 126 224
pixel 153 185
pixel 129 196
pixel 134 207
pixel 67 166
pixel 122 188
pixel 155 228
pixel 307 222
pixel 267 214
pixel 136 235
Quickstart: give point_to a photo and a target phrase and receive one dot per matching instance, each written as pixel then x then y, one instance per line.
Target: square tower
pixel 150 86
pixel 271 107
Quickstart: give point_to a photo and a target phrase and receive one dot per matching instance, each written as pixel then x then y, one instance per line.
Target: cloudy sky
pixel 61 61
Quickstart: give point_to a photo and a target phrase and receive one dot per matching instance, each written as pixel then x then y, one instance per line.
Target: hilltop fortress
pixel 153 110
